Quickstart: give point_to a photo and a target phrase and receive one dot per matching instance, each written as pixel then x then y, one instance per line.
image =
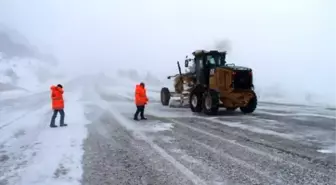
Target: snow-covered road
pixel 33 153
pixel 278 144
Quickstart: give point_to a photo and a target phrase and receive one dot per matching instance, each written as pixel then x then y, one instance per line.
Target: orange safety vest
pixel 57 97
pixel 140 96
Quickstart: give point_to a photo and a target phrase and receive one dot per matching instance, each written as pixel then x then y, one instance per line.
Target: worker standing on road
pixel 57 104
pixel 140 100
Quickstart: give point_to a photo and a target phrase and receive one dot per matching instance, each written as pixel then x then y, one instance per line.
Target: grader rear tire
pixel 165 96
pixel 251 106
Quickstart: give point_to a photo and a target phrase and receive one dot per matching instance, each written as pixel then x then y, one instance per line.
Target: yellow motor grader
pixel 213 84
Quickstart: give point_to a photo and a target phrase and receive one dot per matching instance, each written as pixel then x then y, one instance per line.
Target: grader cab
pixel 212 83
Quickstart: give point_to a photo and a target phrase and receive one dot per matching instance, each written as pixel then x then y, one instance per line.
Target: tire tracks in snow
pixel 20 154
pixel 184 170
pixel 20 150
pixel 15 120
pixel 271 161
pixel 272 165
pixel 33 106
pixel 276 143
pixel 8 123
pixel 115 155
pixel 128 125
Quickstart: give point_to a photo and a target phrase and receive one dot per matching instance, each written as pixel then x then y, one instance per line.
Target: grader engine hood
pixel 242 79
pixel 236 68
pixel 235 77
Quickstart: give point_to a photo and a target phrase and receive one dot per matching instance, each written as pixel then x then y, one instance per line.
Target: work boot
pixel 136 119
pixel 63 125
pixel 143 118
pixel 53 126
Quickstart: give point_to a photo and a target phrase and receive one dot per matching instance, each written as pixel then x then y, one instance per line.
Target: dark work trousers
pixel 140 109
pixel 61 111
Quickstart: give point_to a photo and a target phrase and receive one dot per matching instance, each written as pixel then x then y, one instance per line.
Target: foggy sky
pixel 286 42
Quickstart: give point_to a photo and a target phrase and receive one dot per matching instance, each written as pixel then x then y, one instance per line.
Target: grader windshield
pixel 215 59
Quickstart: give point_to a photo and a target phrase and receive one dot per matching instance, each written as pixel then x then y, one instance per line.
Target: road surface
pixel 278 144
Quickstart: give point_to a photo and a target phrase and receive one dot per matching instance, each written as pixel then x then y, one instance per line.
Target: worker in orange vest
pixel 57 104
pixel 140 101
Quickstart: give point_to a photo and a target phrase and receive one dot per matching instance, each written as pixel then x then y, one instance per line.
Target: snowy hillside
pixel 24 73
pixel 22 66
pixel 13 44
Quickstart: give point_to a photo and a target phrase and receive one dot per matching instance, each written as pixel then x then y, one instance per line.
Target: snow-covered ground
pixel 31 153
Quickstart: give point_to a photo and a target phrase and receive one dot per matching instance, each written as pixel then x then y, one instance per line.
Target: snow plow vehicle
pixel 212 83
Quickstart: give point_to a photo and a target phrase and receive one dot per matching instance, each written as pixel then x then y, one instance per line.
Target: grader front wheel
pixel 195 101
pixel 210 103
pixel 165 96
